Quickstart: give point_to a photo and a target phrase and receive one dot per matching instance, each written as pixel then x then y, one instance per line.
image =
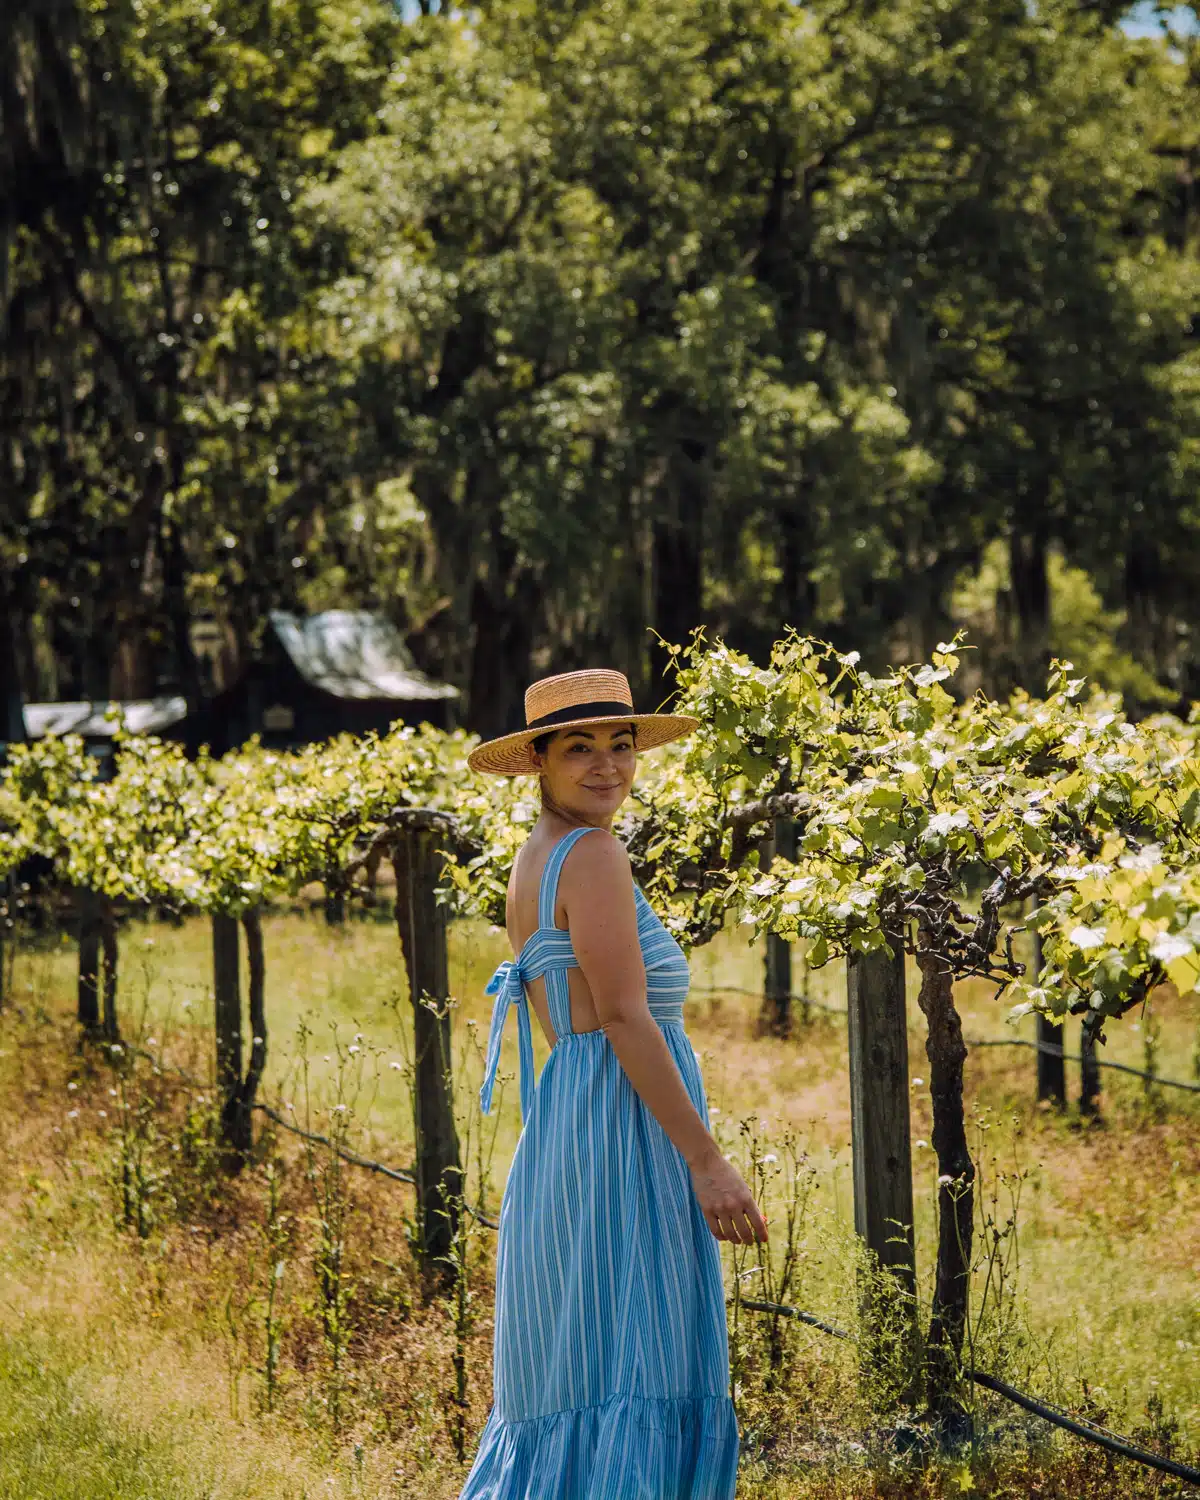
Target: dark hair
pixel 543 740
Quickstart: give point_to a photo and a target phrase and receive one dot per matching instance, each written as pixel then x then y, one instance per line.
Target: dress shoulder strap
pixel 548 890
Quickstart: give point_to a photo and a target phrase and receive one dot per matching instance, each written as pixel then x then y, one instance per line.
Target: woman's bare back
pixel 522 921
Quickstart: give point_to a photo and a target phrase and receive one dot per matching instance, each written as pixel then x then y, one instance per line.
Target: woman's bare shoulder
pixel 601 856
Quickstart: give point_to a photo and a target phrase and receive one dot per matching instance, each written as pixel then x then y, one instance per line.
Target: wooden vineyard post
pixel 879 1124
pixel 1089 1073
pixel 109 961
pixel 237 1093
pixel 776 1017
pixel 257 1003
pixel 8 937
pixel 879 1119
pixel 1051 1067
pixel 334 904
pixel 87 991
pixel 421 922
pixel 227 1016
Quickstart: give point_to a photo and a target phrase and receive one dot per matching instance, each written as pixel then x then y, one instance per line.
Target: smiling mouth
pixel 611 788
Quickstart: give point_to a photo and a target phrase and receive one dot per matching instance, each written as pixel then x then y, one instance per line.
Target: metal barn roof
pixel 101 720
pixel 353 653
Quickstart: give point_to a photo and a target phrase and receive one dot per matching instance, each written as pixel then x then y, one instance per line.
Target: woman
pixel 611 1357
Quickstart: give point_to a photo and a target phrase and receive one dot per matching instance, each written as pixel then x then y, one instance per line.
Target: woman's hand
pixel 728 1205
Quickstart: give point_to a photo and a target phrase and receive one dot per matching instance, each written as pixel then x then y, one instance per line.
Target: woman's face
pixel 588 772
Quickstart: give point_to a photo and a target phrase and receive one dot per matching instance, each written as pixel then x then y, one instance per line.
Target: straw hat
pixel 569 701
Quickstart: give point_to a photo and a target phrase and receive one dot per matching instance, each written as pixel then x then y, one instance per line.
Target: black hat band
pixel 583 711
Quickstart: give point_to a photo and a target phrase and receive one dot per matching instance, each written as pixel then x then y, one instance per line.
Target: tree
pixel 929 824
pixel 151 346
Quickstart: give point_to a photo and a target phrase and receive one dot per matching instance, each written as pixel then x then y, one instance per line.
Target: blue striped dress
pixel 610 1352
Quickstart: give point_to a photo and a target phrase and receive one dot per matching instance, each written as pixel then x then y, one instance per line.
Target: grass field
pixel 133 1365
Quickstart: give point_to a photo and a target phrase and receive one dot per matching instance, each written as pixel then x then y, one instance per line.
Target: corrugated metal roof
pixel 353 653
pixel 99 720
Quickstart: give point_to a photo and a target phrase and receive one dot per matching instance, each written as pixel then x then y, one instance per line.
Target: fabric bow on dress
pixel 508 986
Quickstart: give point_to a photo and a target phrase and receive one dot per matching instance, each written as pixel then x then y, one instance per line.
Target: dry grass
pixel 151 1370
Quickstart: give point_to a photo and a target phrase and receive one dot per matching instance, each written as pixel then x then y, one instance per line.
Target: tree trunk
pixel 502 624
pixel 227 1012
pixel 1144 588
pixel 87 992
pixel 798 592
pixel 175 595
pixel 12 726
pixel 947 1053
pixel 421 923
pixel 678 541
pixel 1028 570
pixel 1089 1073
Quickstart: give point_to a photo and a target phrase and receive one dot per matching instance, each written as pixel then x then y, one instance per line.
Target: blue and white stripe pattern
pixel 610 1352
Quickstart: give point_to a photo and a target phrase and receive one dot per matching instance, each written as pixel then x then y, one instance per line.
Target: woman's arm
pixel 596 887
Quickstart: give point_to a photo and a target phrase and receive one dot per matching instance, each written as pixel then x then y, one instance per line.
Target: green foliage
pixel 536 328
pixel 1079 628
pixel 914 812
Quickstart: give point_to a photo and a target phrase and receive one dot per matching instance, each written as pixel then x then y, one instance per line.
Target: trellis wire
pixel 1101 1062
pixel 733 989
pixel 1079 1426
pixel 1047 1047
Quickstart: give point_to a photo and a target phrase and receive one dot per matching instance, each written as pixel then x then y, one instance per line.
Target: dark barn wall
pixel 246 708
pixel 273 699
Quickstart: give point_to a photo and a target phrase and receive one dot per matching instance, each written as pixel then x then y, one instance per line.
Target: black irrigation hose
pixel 1090 1431
pixel 794 1312
pixel 1081 1427
pixel 397 1174
pixel 1048 1047
pixel 1111 1441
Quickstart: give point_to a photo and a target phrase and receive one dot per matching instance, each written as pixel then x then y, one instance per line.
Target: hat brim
pixel 506 756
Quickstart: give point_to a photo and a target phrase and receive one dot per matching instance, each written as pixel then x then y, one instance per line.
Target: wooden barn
pixel 339 671
pixel 98 722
